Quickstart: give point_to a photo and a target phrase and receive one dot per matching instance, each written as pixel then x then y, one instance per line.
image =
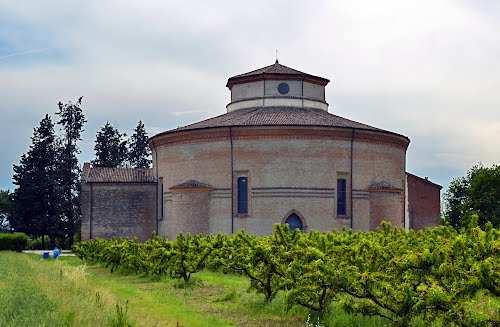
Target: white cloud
pixel 427 69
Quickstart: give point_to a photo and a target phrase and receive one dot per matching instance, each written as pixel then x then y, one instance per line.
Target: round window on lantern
pixel 283 88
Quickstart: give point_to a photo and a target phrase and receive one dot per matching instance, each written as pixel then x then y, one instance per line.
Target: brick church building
pixel 277 156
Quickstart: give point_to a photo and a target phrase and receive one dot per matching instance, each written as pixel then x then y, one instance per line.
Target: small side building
pixel 423 205
pixel 118 202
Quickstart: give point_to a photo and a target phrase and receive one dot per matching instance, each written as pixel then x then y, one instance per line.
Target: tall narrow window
pixel 341 197
pixel 242 195
pixel 161 200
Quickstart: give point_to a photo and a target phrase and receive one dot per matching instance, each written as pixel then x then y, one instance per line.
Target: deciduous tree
pixel 456 202
pixel 484 194
pixel 476 193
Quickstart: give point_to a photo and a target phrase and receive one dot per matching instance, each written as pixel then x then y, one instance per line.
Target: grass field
pixel 65 292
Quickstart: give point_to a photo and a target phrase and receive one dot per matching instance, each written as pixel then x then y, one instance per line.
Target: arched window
pixel 294 222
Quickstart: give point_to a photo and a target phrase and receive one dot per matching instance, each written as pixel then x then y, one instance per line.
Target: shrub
pixel 261 259
pixel 402 277
pixel 13 241
pixel 190 254
pixel 35 243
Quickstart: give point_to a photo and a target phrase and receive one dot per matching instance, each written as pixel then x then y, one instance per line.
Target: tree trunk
pixel 52 242
pixel 71 239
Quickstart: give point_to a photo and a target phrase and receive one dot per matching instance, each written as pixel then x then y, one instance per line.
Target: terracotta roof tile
pixel 117 175
pixel 277 116
pixel 275 68
pixel 274 71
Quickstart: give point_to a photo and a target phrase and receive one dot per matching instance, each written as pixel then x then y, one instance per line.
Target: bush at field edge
pixel 13 241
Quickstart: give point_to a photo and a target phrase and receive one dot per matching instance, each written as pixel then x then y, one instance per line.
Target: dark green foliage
pixel 5 210
pixel 313 278
pixel 35 243
pixel 45 202
pixel 71 120
pixel 139 154
pixel 181 258
pixel 37 197
pixel 477 193
pixel 456 202
pixel 424 274
pixel 484 194
pixel 255 258
pixel 13 241
pixel 91 250
pixel 189 254
pixel 110 147
pixel 159 252
pixel 252 257
pixel 402 277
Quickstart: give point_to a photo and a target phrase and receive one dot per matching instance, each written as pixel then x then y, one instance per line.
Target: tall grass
pixel 37 293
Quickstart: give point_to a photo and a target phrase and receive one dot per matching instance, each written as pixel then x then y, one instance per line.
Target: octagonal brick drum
pixel 292 159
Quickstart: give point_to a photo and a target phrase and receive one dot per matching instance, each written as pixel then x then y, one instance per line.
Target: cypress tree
pixel 36 198
pixel 110 148
pixel 71 120
pixel 139 154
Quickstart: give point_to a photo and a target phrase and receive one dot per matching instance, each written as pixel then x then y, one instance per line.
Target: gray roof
pixel 275 68
pixel 117 175
pixel 274 71
pixel 277 116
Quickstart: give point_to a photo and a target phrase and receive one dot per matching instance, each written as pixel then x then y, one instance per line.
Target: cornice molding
pixel 277 132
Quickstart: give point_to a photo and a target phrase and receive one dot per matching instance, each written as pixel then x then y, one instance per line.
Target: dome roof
pixel 275 71
pixel 264 105
pixel 278 116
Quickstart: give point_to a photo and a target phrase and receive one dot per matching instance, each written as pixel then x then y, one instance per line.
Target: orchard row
pixel 436 274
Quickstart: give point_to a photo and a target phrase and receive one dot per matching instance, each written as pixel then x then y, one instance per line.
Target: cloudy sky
pixel 427 69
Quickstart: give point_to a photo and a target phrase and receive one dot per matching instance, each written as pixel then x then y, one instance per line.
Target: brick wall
pixel 189 212
pixel 286 171
pixel 424 206
pixel 118 210
pixel 383 206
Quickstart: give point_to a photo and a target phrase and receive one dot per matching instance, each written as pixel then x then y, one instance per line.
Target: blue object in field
pixel 46 255
pixel 56 252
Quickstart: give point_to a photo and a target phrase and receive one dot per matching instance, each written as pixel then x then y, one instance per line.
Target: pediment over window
pixel 191 184
pixel 383 186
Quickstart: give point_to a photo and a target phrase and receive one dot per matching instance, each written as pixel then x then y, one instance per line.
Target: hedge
pixel 13 241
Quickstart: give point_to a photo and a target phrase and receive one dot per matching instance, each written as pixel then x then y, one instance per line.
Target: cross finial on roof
pixel 276 57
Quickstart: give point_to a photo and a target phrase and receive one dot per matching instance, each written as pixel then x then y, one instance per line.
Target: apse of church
pixel 277 156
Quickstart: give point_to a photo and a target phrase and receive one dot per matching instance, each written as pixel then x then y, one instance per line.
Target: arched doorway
pixel 294 222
